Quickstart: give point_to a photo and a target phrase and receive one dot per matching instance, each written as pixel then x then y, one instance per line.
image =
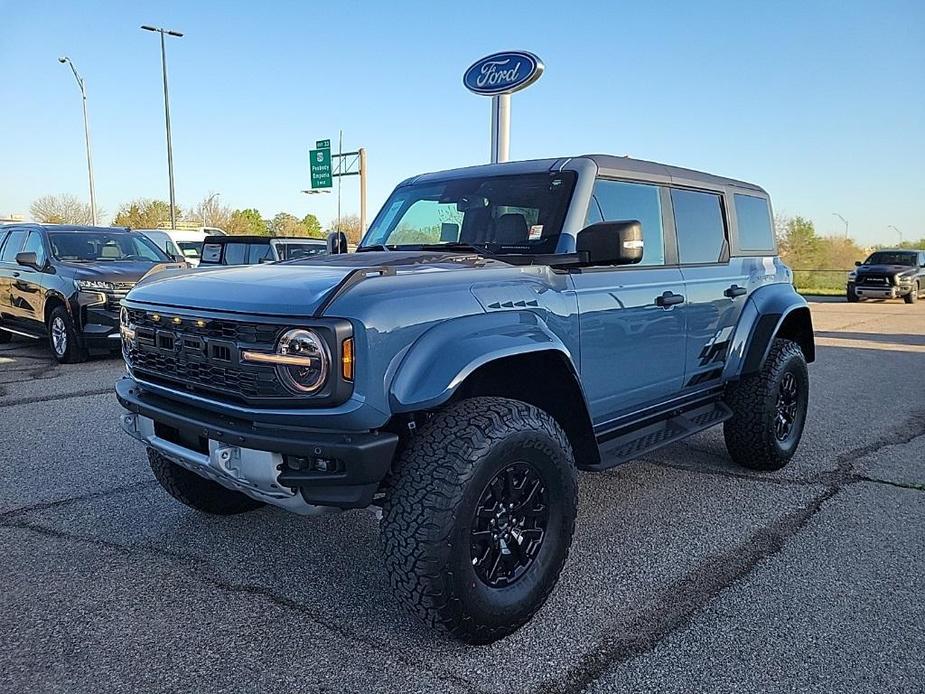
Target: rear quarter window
pixel 754 221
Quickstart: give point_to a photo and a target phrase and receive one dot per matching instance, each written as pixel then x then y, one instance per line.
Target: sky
pixel 820 103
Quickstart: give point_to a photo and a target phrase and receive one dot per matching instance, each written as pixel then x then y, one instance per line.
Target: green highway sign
pixel 322 144
pixel 319 161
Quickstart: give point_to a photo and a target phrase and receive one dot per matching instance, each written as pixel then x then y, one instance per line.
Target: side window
pixel 12 246
pixel 698 218
pixel 623 201
pixel 34 245
pixel 235 254
pixel 754 221
pixel 258 252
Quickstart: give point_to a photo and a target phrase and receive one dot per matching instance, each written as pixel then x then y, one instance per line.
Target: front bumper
pixel 893 292
pixel 260 460
pixel 100 328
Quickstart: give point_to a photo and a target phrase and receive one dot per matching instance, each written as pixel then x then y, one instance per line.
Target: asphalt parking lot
pixel 686 574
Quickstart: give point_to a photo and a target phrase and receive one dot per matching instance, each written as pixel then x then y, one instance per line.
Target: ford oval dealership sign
pixel 503 73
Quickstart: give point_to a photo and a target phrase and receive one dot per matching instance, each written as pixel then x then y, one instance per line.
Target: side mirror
pixel 28 259
pixel 611 243
pixel 337 242
pixel 857 263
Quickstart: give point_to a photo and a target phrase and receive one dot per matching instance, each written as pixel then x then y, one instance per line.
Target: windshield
pixel 191 249
pixel 291 251
pixel 102 246
pixel 891 258
pixel 504 214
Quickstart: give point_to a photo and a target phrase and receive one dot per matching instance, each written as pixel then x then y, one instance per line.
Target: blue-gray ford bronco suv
pixel 498 328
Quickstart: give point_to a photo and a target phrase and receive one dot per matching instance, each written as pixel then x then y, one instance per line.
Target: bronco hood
pixel 293 288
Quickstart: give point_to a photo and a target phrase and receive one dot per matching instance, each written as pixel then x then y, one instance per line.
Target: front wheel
pixel 913 296
pixel 851 294
pixel 769 410
pixel 479 517
pixel 63 338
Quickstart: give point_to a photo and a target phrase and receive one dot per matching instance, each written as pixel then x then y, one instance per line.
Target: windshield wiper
pixel 482 248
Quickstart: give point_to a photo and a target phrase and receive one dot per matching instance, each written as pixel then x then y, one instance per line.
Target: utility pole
pixel 83 94
pixel 173 203
pixel 362 191
pixel 890 226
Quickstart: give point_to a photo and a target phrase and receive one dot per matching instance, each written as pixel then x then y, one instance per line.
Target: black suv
pixel 65 283
pixel 888 274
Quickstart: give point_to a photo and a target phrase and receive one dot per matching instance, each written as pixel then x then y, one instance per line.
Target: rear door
pixel 715 288
pixel 632 348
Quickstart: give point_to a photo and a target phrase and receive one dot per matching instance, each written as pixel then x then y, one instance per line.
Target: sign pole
pixel 340 170
pixel 500 128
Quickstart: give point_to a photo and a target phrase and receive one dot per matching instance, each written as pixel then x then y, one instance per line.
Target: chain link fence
pixel 826 282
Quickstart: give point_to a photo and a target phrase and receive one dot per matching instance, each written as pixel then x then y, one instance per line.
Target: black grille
pixel 874 279
pixel 201 355
pixel 115 295
pixel 204 376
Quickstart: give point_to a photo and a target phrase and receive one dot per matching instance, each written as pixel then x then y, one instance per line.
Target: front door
pixel 10 272
pixel 26 290
pixel 632 347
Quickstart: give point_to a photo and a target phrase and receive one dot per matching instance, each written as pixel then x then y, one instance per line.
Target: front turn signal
pixel 346 359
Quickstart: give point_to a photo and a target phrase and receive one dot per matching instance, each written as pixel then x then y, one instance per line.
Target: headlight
pixel 301 360
pixel 903 279
pixel 94 285
pixel 852 275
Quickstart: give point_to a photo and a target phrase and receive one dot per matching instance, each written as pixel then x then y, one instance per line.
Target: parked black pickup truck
pixel 888 274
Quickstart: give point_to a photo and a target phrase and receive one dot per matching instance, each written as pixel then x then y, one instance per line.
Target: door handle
pixel 669 299
pixel 15 274
pixel 734 291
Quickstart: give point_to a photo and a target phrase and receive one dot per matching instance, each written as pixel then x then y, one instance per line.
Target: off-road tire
pixel 74 352
pixel 851 294
pixel 197 492
pixel 429 511
pixel 913 296
pixel 750 434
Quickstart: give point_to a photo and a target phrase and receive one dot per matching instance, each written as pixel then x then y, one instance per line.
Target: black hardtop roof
pixel 607 165
pixel 62 227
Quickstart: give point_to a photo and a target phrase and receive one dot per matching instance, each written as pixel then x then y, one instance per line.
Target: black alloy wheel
pixel 509 525
pixel 788 405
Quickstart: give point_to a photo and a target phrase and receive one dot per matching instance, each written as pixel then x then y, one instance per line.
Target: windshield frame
pixel 556 215
pixel 135 236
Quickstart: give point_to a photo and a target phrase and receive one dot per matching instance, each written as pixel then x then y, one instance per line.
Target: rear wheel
pixel 197 492
pixel 63 338
pixel 479 517
pixel 913 296
pixel 769 410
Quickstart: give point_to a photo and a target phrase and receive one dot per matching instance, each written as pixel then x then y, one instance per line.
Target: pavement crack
pixel 56 398
pixel 90 496
pixel 682 601
pixel 855 479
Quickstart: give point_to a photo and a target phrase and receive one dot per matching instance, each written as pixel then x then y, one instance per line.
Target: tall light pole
pixel 890 226
pixel 169 32
pixel 83 94
pixel 207 206
pixel 844 220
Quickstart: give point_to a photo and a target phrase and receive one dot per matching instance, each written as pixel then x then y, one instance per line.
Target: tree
pixel 144 213
pixel 799 245
pixel 62 209
pixel 350 225
pixel 247 221
pixel 312 226
pixel 212 213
